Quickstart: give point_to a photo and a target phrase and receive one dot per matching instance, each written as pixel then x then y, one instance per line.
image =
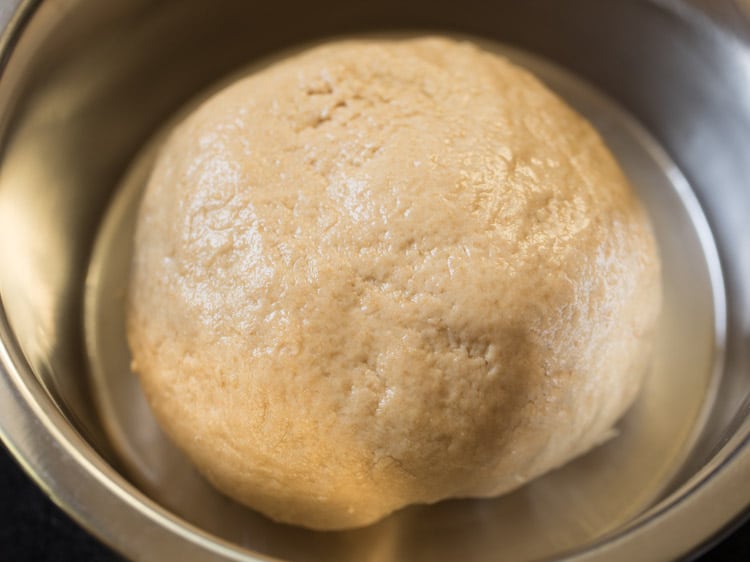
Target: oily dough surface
pixel 387 272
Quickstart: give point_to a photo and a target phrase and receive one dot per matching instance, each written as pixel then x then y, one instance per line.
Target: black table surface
pixel 33 529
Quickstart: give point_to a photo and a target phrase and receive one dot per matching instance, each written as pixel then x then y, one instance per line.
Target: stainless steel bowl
pixel 86 85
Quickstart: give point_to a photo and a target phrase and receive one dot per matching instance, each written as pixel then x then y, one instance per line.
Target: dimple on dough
pixel 380 273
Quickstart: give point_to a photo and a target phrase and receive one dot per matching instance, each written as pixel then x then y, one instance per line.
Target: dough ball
pixel 381 273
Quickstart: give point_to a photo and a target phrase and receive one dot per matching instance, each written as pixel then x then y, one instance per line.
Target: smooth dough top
pixel 387 272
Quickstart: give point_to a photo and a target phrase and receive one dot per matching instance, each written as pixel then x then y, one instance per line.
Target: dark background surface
pixel 33 529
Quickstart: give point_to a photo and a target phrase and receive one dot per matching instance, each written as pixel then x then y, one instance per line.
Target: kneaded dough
pixel 387 272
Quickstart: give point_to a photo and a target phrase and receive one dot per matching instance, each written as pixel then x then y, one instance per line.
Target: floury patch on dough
pixel 388 272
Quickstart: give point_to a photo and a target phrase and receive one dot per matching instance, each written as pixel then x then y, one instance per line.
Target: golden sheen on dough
pixel 387 272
